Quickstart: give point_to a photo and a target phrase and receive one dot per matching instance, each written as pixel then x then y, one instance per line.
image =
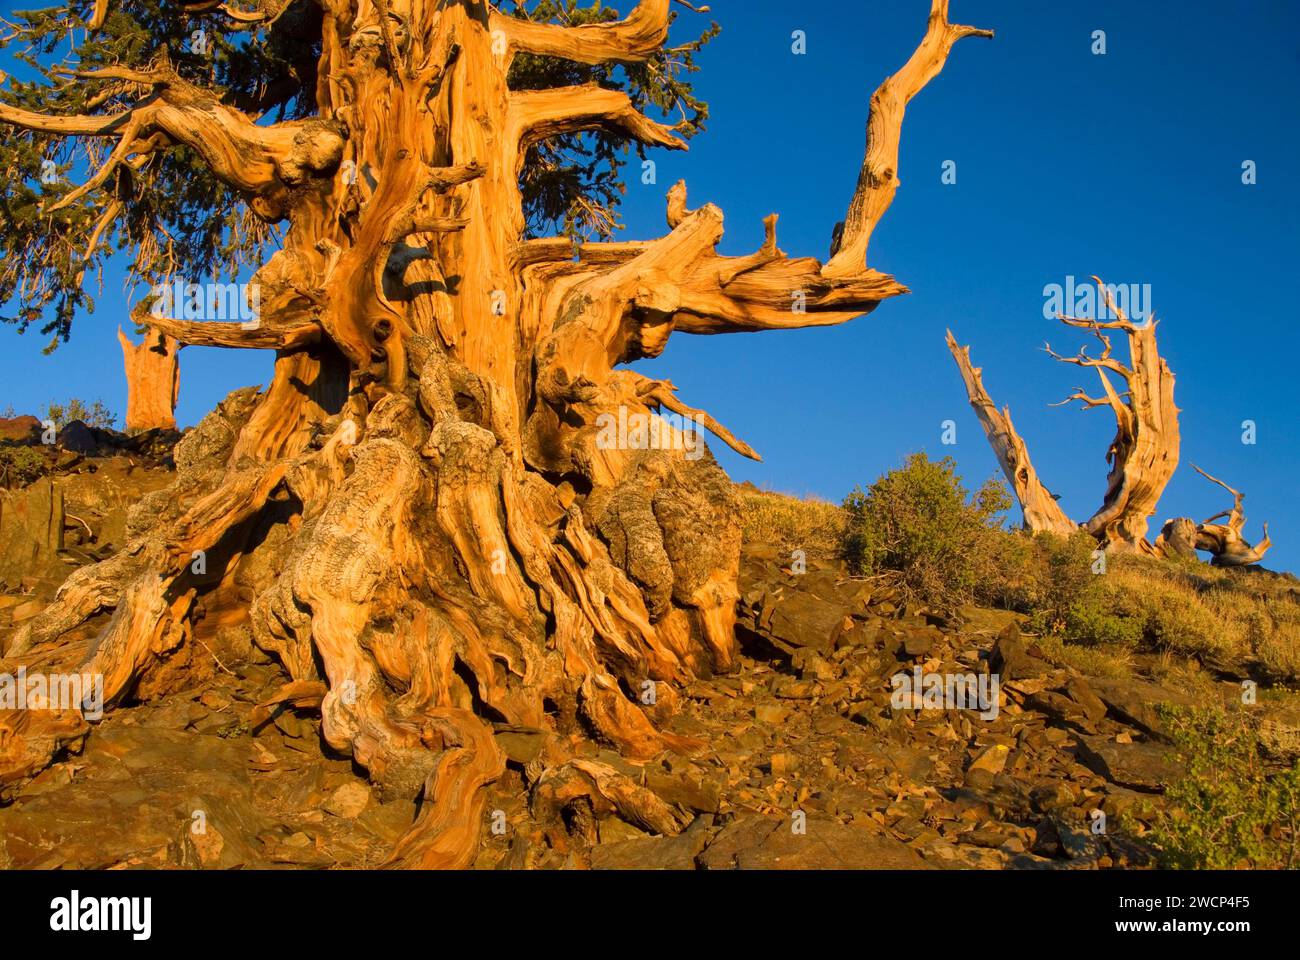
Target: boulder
pixel 1136 702
pixel 1279 733
pixel 1078 690
pixel 654 853
pixel 1010 658
pixel 24 429
pixel 78 437
pixel 31 533
pixel 757 843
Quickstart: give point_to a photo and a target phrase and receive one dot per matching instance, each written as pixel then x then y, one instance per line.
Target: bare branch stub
pixel 152 381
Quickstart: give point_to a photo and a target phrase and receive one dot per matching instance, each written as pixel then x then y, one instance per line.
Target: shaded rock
pixel 1078 842
pixel 986 837
pixel 31 533
pixel 654 853
pixel 81 438
pixel 1139 766
pixel 1047 840
pixel 1010 658
pixel 745 833
pixel 615 829
pixel 1052 796
pixel 1062 709
pixel 692 790
pixel 918 642
pixel 1279 733
pixel 156 444
pixel 756 843
pixel 1078 690
pixel 817 668
pixel 1136 702
pixel 803 620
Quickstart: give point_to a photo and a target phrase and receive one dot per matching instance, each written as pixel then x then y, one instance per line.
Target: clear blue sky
pixel 1127 165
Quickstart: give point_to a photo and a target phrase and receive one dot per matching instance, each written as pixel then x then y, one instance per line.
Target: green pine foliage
pixel 176 217
pixel 94 414
pixel 573 183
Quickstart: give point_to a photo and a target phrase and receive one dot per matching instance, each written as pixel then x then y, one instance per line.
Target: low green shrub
pixel 920 521
pixel 1230 810
pixel 93 415
pixel 19 465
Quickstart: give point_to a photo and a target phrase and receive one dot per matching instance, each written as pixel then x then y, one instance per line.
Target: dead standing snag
pixel 1142 456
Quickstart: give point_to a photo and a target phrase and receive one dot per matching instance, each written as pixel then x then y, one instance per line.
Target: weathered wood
pixel 152 381
pixel 1041 511
pixel 878 180
pixel 1144 453
pixel 1224 540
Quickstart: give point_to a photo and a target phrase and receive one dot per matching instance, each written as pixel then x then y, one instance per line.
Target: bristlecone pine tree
pixel 417 517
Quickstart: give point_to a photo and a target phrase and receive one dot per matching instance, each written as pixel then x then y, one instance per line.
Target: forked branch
pixel 1144 453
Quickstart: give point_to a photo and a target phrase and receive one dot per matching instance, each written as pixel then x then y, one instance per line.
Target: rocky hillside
pixel 822 750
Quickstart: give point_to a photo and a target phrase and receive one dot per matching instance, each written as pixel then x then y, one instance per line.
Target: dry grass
pixel 785 521
pixel 1213 614
pixel 1099 660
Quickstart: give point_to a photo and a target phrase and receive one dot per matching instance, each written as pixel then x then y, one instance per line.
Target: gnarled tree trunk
pixel 1144 453
pixel 456 541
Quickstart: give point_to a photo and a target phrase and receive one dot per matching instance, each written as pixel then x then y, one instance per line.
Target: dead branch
pixel 1041 511
pixel 1225 541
